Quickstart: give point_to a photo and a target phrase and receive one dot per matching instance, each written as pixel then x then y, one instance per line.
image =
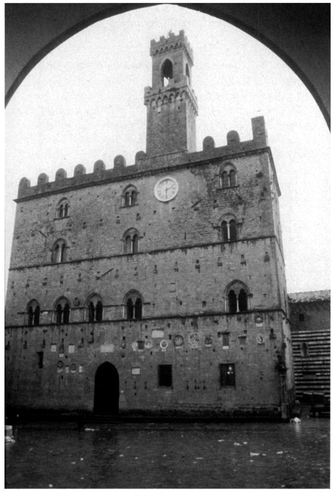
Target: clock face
pixel 166 189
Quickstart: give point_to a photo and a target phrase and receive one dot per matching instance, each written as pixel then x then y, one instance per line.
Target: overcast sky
pixel 84 102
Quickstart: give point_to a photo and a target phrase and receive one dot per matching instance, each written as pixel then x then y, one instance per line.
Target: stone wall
pixel 72 354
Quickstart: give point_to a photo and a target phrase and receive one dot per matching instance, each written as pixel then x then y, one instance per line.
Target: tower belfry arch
pixel 167 72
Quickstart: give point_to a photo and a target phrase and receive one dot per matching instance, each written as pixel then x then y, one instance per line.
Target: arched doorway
pixel 106 392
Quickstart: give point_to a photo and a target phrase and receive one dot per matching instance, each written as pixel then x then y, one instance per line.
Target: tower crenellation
pixel 171 42
pixel 145 163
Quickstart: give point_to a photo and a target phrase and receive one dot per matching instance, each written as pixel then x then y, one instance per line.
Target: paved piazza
pixel 170 455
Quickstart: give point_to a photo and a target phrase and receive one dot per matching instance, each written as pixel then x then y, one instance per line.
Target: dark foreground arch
pixel 301 38
pixel 106 391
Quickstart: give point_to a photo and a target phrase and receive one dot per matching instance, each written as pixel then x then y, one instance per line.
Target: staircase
pixel 311 355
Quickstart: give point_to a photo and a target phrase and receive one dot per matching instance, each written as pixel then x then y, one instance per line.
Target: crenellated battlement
pixel 174 96
pixel 145 163
pixel 170 43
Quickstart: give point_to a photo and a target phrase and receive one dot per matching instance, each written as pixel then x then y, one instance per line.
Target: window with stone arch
pixel 166 72
pixel 94 308
pixel 133 304
pixel 129 196
pixel 229 231
pixel 63 208
pixel 237 297
pixel 62 311
pixel 228 176
pixel 59 252
pixel 131 241
pixel 33 312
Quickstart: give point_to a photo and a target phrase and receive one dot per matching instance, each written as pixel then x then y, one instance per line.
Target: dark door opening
pixel 106 395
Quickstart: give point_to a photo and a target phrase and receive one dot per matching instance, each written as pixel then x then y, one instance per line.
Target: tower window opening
pixel 166 72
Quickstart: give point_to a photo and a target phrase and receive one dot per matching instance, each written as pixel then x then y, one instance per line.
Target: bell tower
pixel 171 101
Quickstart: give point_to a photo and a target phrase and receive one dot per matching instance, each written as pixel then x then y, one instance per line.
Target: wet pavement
pixel 170 455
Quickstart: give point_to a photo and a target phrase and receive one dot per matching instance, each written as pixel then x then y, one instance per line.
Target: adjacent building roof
pixel 309 296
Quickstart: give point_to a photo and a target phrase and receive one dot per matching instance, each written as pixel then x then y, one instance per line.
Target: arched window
pixel 59 314
pixel 91 312
pixel 133 197
pixel 135 244
pixel 228 177
pixel 229 230
pixel 131 241
pixel 138 308
pixel 242 300
pixel 129 309
pixel 66 314
pixel 94 308
pixel 62 311
pixel 99 311
pixel 33 311
pixel 232 302
pixel 166 72
pixel 232 178
pixel 237 295
pixel 129 196
pixel 134 306
pixel 63 208
pixel 36 316
pixel 233 230
pixel 225 180
pixel 225 231
pixel 59 252
pixel 30 316
pixel 128 242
